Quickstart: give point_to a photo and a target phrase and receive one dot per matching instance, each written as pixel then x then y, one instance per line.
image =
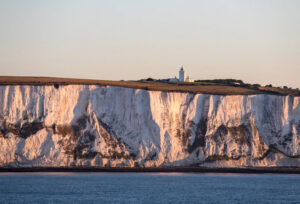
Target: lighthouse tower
pixel 181 74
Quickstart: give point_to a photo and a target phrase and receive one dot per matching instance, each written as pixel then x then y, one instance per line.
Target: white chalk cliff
pixel 91 125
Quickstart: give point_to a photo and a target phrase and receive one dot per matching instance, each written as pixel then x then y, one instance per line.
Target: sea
pixel 148 188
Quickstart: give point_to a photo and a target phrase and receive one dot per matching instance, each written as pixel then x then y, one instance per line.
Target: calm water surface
pixel 148 188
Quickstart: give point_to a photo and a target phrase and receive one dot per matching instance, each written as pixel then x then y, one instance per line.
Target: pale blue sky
pixel 257 41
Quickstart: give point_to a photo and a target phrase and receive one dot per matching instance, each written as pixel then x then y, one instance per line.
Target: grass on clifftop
pixel 218 86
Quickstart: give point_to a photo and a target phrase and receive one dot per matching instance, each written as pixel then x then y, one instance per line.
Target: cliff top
pixel 218 87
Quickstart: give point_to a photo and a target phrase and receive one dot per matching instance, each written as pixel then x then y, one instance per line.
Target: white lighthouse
pixel 181 74
pixel 181 77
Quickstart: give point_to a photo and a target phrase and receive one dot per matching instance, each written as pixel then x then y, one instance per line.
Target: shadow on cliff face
pixel 77 141
pixel 118 126
pixel 271 127
pixel 199 128
pixel 200 134
pixel 225 138
pixel 240 136
pixel 79 137
pixel 47 145
pixel 23 127
pixel 186 127
pixel 24 130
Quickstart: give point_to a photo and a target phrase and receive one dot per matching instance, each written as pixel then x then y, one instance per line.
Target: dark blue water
pixel 148 188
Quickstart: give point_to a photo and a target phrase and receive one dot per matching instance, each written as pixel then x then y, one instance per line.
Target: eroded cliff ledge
pixel 94 125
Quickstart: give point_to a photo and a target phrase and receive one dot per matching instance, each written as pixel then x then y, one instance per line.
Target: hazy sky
pixel 253 40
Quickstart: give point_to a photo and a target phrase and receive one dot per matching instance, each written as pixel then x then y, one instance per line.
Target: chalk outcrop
pixel 91 125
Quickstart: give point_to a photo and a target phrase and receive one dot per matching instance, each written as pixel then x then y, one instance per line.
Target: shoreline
pixel 245 170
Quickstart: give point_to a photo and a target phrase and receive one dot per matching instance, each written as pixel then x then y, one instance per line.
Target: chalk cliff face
pixel 90 125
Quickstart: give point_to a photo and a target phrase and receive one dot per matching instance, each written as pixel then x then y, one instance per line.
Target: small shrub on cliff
pixel 256 85
pixel 149 79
